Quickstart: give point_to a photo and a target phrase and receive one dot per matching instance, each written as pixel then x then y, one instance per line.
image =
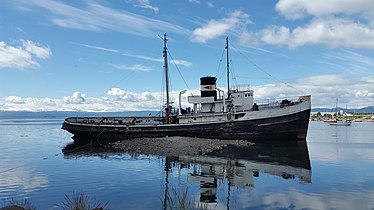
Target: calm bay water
pixel 333 169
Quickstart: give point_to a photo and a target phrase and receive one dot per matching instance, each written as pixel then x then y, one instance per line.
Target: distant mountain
pixel 369 109
pixel 63 115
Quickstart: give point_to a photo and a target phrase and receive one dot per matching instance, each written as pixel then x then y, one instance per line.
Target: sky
pixel 107 55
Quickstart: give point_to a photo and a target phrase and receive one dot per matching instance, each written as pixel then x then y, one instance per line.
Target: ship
pixel 340 119
pixel 216 113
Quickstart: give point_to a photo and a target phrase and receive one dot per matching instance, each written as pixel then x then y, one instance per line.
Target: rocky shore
pixel 175 146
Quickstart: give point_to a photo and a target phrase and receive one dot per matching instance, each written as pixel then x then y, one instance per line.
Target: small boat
pixel 214 114
pixel 340 120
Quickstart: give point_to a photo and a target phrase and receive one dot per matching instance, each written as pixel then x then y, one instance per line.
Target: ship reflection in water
pixel 236 167
pixel 240 166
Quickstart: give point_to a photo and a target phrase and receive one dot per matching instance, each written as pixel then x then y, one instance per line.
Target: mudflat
pixel 175 146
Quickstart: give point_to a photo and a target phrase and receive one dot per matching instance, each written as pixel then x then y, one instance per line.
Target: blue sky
pixel 107 55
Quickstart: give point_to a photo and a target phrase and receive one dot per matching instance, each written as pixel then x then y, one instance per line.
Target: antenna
pixel 167 109
pixel 228 65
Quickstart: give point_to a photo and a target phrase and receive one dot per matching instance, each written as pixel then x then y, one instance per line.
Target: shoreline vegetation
pixel 76 201
pixel 318 116
pixel 79 201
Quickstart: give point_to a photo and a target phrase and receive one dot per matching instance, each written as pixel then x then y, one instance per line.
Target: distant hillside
pixel 62 115
pixel 369 109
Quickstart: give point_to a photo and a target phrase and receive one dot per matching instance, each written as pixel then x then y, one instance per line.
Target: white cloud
pixel 117 92
pixel 245 38
pixel 98 48
pixel 96 17
pixel 14 99
pixel 210 4
pixel 348 61
pixel 160 60
pixel 237 22
pixel 36 49
pixel 323 80
pixel 181 62
pixel 355 93
pixel 333 23
pixel 134 67
pixel 143 57
pixel 331 32
pixel 76 98
pixel 116 100
pixel 146 5
pixel 130 96
pixel 296 9
pixel 274 91
pixel 276 35
pixel 194 1
pixel 23 55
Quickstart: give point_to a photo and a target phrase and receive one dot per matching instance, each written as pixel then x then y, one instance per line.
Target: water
pixel 333 169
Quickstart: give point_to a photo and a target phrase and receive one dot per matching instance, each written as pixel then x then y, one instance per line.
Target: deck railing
pixel 277 102
pixel 116 120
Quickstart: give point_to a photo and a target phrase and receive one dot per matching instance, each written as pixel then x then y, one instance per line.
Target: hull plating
pixel 289 127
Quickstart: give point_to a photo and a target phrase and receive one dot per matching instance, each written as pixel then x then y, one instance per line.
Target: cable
pixel 125 77
pixel 276 79
pixel 179 72
pixel 220 62
pixel 162 102
pixel 233 73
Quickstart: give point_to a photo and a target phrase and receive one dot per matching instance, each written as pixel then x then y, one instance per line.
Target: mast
pixel 167 109
pixel 228 66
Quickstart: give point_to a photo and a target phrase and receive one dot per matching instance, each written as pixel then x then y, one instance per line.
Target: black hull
pixel 290 127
